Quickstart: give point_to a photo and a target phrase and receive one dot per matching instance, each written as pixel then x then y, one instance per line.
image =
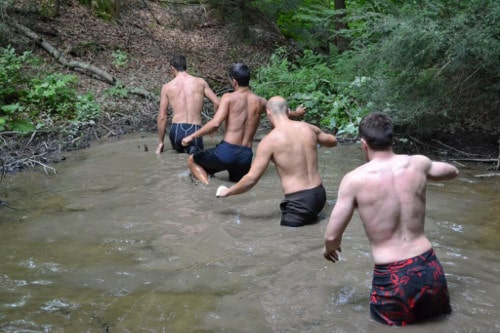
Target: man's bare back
pixel 241 110
pixel 296 164
pixel 409 284
pixel 389 193
pixel 390 196
pixel 292 146
pixel 185 94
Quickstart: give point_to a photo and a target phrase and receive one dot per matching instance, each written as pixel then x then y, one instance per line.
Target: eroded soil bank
pixel 149 33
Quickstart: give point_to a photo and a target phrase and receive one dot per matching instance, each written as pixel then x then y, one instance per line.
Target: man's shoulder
pixel 258 98
pixel 274 139
pixel 360 171
pixel 279 136
pixel 170 83
pixel 197 79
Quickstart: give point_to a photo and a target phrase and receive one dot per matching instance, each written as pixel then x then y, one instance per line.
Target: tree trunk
pixel 117 9
pixel 340 41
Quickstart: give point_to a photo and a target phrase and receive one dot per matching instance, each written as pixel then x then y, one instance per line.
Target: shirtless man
pixel 185 94
pixel 409 284
pixel 292 146
pixel 241 111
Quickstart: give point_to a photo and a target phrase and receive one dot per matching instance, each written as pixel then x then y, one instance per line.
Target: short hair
pixel 277 105
pixel 377 130
pixel 178 62
pixel 241 73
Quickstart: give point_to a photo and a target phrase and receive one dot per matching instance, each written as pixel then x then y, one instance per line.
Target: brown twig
pixel 452 148
pixel 3 170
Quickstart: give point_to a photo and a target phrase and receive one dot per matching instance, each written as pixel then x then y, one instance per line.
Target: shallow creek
pixel 122 240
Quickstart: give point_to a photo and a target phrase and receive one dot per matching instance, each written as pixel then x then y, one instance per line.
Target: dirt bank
pixel 149 34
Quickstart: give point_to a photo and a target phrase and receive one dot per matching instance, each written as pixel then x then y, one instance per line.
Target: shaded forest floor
pixel 149 34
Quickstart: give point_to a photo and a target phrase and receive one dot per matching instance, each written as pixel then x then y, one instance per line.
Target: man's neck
pixel 241 89
pixel 379 155
pixel 280 120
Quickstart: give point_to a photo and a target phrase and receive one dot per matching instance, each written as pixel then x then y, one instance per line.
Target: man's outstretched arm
pixel 339 219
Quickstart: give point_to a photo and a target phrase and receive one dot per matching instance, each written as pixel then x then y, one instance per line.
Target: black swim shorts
pixel 225 156
pixel 302 208
pixel 179 131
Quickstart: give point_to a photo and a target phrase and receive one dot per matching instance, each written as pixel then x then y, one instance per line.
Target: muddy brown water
pixel 122 240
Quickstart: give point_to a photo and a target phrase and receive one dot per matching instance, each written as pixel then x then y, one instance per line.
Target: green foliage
pixel 12 115
pixel 309 81
pixel 41 100
pixel 120 58
pixel 430 64
pixel 105 9
pixel 52 95
pixel 307 22
pixel 118 90
pixel 87 109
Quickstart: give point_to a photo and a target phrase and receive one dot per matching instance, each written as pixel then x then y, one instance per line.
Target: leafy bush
pixel 120 58
pixel 12 86
pixel 432 65
pixel 105 9
pixel 51 95
pixel 41 100
pixel 118 90
pixel 309 80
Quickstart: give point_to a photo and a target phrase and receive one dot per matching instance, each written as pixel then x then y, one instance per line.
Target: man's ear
pixel 364 145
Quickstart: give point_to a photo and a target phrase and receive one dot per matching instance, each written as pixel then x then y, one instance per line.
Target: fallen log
pixel 58 55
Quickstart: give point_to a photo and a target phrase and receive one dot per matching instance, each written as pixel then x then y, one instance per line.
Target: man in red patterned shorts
pixel 409 284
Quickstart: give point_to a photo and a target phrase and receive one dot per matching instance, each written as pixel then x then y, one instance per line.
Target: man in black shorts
pixel 185 94
pixel 241 111
pixel 292 146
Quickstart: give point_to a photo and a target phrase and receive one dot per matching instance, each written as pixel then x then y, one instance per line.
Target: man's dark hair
pixel 241 73
pixel 178 62
pixel 377 130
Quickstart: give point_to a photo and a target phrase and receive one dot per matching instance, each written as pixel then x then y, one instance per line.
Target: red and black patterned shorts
pixel 409 291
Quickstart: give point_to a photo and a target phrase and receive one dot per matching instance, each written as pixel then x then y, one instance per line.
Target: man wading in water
pixel 293 148
pixel 241 111
pixel 409 284
pixel 185 94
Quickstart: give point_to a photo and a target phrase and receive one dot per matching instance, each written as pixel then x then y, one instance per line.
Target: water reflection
pixel 122 240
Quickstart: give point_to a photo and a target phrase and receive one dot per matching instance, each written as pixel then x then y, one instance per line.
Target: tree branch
pixel 58 55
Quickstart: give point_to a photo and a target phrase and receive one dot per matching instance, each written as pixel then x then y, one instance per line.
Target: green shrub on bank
pixel 433 65
pixel 36 100
pixel 310 80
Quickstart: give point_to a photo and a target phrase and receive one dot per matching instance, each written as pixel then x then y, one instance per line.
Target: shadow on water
pixel 122 240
